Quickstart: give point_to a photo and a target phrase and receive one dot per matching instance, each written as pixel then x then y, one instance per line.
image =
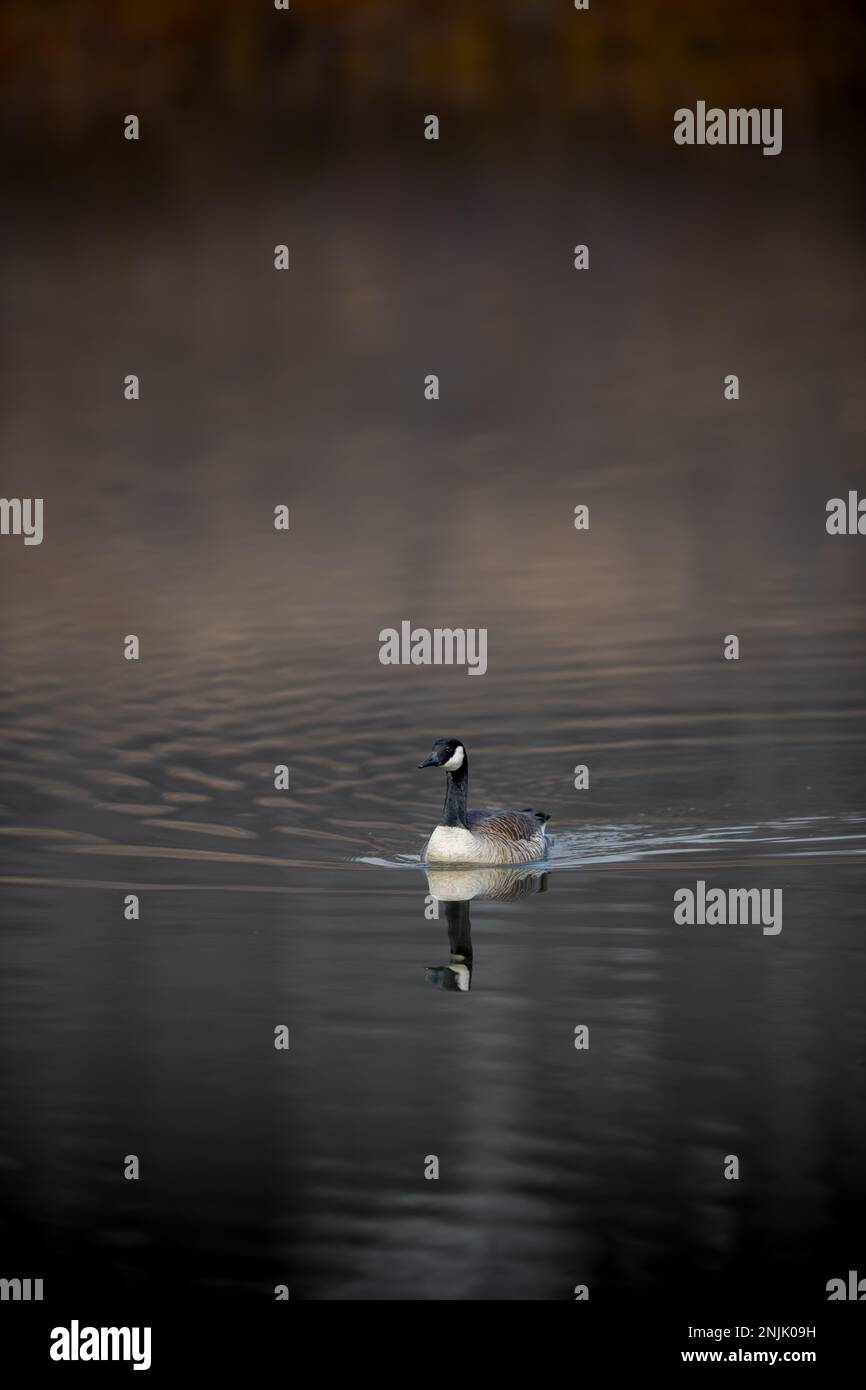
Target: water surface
pixel 311 907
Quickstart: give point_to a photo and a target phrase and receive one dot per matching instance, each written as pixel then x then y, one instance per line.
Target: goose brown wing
pixel 511 825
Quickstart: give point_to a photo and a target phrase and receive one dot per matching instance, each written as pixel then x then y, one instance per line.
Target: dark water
pixel 309 907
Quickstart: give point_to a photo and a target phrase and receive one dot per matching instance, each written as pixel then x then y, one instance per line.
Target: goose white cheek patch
pixel 455 761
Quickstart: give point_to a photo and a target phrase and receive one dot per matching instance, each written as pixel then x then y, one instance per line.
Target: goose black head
pixel 448 753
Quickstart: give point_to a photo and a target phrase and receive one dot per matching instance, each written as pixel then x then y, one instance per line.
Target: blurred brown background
pixel 67 70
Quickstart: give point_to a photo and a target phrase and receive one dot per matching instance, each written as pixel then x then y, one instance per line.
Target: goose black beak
pixel 432 761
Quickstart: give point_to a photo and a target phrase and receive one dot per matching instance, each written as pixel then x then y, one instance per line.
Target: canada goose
pixel 479 837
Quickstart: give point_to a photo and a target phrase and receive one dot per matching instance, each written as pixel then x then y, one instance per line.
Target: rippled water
pixel 311 907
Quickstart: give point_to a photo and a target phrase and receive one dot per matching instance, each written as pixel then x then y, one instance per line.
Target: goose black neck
pixel 456 791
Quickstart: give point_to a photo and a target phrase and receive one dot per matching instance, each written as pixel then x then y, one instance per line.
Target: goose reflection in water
pixel 455 889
